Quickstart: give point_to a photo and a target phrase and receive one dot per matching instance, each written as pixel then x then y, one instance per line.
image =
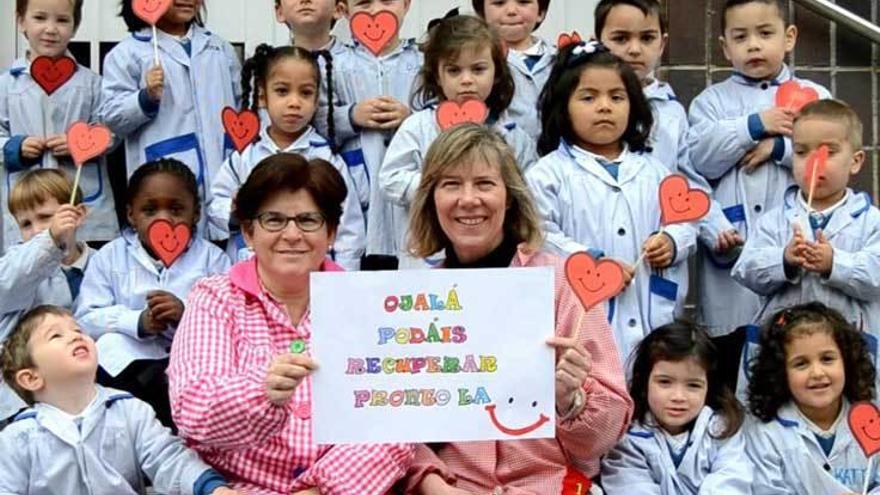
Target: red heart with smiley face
pixel 817 162
pixel 593 282
pixel 451 114
pixel 566 39
pixel 150 11
pixel 86 142
pixel 679 203
pixel 168 241
pixel 374 31
pixel 793 96
pixel 864 422
pixel 50 74
pixel 242 127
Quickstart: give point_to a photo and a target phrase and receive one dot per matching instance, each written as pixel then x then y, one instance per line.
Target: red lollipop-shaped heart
pixel 374 31
pixel 593 282
pixel 679 203
pixel 864 422
pixel 150 11
pixel 168 241
pixel 50 74
pixel 242 127
pixel 451 114
pixel 566 39
pixel 793 96
pixel 86 142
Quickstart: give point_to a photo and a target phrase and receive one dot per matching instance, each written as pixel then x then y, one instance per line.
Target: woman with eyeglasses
pixel 240 364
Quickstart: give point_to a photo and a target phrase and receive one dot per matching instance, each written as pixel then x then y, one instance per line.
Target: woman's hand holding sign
pixel 573 366
pixel 285 374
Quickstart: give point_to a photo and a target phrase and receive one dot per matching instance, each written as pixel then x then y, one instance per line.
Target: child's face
pixel 182 12
pixel 48 26
pixel 815 372
pixel 61 353
pixel 309 15
pixel 756 39
pixel 676 393
pixel 513 19
pixel 290 95
pixel 469 77
pixel 161 196
pixel 398 7
pixel 634 37
pixel 599 108
pixel 34 221
pixel 843 161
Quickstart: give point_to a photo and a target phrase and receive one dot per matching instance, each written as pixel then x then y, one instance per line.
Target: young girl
pixel 811 366
pixel 685 438
pixel 130 303
pixel 464 60
pixel 171 109
pixel 596 189
pixel 285 81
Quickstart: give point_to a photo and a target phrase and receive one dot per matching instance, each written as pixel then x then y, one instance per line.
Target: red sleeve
pixel 214 403
pixel 426 462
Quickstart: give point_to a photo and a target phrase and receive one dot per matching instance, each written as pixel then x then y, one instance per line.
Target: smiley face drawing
pixel 374 31
pixel 516 432
pixel 871 429
pixel 153 6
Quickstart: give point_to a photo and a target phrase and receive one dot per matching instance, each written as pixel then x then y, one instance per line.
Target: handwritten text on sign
pixel 433 355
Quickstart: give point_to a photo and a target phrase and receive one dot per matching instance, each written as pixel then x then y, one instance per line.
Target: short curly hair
pixel 768 387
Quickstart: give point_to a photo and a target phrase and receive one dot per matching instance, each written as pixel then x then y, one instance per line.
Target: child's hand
pixel 727 240
pixel 66 220
pixel 155 83
pixel 778 121
pixel 629 271
pixel 793 254
pixel 757 156
pixel 365 113
pixel 165 307
pixel 149 324
pixel 818 256
pixel 391 112
pixel 659 250
pixel 573 365
pixel 285 374
pixel 32 148
pixel 57 144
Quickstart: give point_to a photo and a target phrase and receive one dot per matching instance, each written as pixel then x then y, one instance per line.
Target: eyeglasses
pixel 272 221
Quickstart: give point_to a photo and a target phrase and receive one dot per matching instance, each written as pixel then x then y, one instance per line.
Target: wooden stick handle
pixel 79 169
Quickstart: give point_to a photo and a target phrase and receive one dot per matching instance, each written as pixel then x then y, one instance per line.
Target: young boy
pixel 530 58
pixel 374 95
pixel 310 23
pixel 741 141
pixel 841 268
pixel 47 268
pixel 78 437
pixel 33 125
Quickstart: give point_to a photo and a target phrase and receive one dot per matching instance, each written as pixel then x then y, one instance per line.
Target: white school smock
pixel 788 459
pixel 528 85
pixel 114 293
pixel 350 236
pixel 724 126
pixel 25 111
pixel 583 207
pixel 187 124
pixel 358 75
pixel 43 453
pixel 641 463
pixel 401 170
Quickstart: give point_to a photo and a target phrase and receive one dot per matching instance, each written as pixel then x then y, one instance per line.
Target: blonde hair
pixel 836 111
pixel 38 186
pixel 15 354
pixel 462 144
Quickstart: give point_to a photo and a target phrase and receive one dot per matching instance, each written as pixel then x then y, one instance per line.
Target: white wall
pixel 253 22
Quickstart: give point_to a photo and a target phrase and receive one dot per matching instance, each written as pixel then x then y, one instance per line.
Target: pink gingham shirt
pixel 230 332
pixel 529 467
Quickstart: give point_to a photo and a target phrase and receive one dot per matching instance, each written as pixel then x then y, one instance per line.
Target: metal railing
pixel 842 16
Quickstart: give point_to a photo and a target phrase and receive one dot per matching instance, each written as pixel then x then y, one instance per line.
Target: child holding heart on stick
pixel 41 95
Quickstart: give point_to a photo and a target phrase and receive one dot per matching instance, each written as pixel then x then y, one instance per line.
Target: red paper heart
pixel 168 242
pixel 793 96
pixel 87 141
pixel 50 73
pixel 864 423
pixel 150 11
pixel 679 203
pixel 374 31
pixel 451 114
pixel 818 162
pixel 241 127
pixel 593 282
pixel 566 39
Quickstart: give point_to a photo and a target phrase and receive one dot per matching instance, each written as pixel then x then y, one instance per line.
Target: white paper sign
pixel 433 355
